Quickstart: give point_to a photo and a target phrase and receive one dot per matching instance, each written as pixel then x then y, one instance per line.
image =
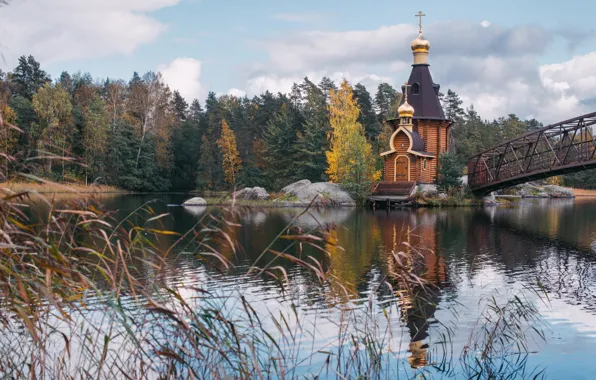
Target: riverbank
pixel 59 188
pixel 584 192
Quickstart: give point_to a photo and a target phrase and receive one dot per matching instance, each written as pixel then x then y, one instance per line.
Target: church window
pixel 424 164
pixel 416 89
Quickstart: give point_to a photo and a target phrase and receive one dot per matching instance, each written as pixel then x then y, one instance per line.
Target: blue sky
pixel 247 47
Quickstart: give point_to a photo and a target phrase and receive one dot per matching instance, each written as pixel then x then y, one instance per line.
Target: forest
pixel 140 135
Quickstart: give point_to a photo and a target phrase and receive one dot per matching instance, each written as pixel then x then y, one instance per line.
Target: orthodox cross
pixel 406 85
pixel 420 15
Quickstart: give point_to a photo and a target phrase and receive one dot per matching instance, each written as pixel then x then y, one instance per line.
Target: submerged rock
pixel 252 194
pixel 196 201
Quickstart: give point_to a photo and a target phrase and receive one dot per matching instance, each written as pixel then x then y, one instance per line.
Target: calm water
pixel 468 254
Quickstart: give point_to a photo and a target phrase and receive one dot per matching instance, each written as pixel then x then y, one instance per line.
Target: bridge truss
pixel 565 147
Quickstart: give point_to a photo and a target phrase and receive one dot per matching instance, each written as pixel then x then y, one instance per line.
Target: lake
pixel 543 249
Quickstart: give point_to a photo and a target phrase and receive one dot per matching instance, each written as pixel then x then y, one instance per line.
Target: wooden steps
pixel 394 189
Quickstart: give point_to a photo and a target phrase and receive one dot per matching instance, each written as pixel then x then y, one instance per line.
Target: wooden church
pixel 421 131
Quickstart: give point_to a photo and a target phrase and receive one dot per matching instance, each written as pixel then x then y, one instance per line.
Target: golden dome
pixel 420 44
pixel 405 110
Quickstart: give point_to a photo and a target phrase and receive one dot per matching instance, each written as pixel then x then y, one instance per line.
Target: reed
pixel 86 295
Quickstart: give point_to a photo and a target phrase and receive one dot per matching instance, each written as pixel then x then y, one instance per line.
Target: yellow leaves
pixel 231 159
pixel 8 135
pixel 350 159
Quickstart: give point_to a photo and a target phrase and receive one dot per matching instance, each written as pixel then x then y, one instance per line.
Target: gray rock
pixel 529 190
pixel 428 189
pixel 443 196
pixel 196 210
pixel 252 194
pixel 558 191
pixel 323 193
pixel 197 201
pixel 490 200
pixel 292 188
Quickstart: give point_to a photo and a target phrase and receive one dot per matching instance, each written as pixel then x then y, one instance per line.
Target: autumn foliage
pixel 350 158
pixel 231 159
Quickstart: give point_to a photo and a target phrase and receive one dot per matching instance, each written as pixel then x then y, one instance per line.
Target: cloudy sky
pixel 530 57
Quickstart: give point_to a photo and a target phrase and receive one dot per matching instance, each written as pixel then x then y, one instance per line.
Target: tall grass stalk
pixel 84 294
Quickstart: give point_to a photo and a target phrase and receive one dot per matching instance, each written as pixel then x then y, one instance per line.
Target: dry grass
pixel 53 187
pixel 584 192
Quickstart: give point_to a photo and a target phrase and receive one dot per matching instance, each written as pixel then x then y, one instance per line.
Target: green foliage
pixel 449 173
pixel 280 141
pixel 581 180
pixel 122 170
pixel 312 141
pixel 350 158
pixel 207 164
pixel 280 138
pixel 28 77
pixel 384 101
pixel 368 117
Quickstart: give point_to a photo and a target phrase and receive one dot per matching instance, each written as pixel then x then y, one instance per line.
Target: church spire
pixel 420 46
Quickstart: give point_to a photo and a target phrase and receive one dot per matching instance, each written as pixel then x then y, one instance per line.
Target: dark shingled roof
pixel 417 142
pixel 426 103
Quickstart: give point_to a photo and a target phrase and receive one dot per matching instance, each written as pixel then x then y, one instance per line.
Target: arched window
pixel 416 89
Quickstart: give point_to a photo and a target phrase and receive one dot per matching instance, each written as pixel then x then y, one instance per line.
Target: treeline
pixel 140 135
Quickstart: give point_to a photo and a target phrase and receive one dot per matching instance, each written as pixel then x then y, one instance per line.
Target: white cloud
pixel 494 68
pixel 236 92
pixel 283 83
pixel 184 75
pixel 62 30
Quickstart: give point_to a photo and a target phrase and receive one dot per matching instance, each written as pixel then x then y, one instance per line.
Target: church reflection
pixel 369 241
pixel 415 234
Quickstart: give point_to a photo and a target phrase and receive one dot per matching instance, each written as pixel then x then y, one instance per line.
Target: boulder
pixel 490 200
pixel 197 201
pixel 252 194
pixel 323 193
pixel 558 191
pixel 292 188
pixel 443 196
pixel 428 190
pixel 529 190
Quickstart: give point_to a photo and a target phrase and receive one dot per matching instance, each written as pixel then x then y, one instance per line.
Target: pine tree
pixel 449 173
pixel 327 85
pixel 312 140
pixel 384 101
pixel 367 118
pixel 231 163
pixel 29 77
pixel 279 139
pixel 207 165
pixel 350 158
pixel 453 109
pixel 180 107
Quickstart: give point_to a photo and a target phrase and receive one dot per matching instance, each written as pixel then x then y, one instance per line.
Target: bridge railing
pixel 553 148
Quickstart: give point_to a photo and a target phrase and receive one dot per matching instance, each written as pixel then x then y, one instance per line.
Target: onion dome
pixel 420 44
pixel 405 110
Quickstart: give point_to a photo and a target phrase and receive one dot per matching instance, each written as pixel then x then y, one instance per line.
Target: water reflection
pixel 462 253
